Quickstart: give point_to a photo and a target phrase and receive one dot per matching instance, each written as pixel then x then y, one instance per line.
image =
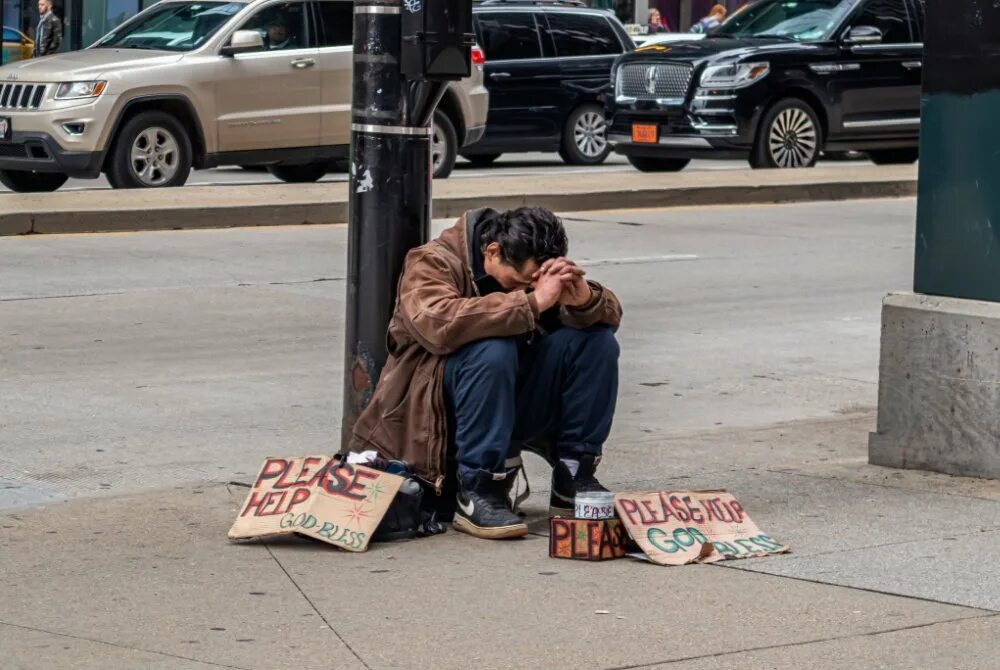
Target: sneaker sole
pixel 499 533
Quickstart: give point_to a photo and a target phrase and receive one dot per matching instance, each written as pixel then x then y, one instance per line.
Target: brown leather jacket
pixel 438 311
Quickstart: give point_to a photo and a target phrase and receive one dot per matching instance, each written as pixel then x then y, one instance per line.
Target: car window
pixel 889 16
pixel 10 36
pixel 172 26
pixel 336 20
pixel 802 20
pixel 283 26
pixel 508 35
pixel 920 11
pixel 582 35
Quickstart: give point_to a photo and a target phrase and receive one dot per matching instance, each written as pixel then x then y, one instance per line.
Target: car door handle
pixel 913 64
pixel 500 75
pixel 303 63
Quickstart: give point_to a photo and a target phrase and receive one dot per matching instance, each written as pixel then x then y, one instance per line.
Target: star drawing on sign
pixel 374 491
pixel 357 513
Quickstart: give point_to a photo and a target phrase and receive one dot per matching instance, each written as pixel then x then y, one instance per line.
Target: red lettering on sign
pixel 298 497
pixel 679 509
pixel 273 467
pixel 651 519
pixel 357 490
pixel 559 536
pixel 738 512
pixel 256 500
pixel 594 539
pixel 631 509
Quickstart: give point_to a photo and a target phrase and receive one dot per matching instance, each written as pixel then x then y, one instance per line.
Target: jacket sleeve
pixel 441 320
pixel 603 308
pixel 56 26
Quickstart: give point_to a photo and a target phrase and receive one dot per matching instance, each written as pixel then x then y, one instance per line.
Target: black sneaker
pixel 484 511
pixel 565 486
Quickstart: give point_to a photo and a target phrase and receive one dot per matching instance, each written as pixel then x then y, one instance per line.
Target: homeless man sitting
pixel 496 340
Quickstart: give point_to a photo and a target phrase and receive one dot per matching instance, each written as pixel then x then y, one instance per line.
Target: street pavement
pixel 143 372
pixel 510 165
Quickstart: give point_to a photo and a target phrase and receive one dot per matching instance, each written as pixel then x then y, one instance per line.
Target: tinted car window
pixel 508 36
pixel 282 26
pixel 918 18
pixel 889 16
pixel 336 24
pixel 582 35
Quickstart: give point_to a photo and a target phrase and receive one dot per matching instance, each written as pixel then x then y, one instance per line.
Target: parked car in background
pixel 776 84
pixel 196 84
pixel 547 67
pixel 16 45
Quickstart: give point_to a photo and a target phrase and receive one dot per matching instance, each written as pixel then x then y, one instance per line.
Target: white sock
pixel 572 464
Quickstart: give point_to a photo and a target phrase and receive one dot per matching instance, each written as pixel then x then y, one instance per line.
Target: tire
pixel 444 146
pixel 299 174
pixel 585 139
pixel 648 164
pixel 894 156
pixel 790 136
pixel 482 160
pixel 152 150
pixel 25 181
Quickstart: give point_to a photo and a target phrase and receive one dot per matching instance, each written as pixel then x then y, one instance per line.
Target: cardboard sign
pixel 692 527
pixel 319 497
pixel 586 539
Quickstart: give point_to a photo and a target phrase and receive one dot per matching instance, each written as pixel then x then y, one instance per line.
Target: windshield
pixel 172 26
pixel 801 20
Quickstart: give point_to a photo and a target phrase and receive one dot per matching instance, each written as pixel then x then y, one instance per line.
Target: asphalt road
pixel 141 360
pixel 506 166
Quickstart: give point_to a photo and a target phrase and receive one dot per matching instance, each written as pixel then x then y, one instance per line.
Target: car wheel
pixel 894 156
pixel 789 136
pixel 444 146
pixel 25 181
pixel 299 174
pixel 482 160
pixel 152 150
pixel 648 164
pixel 585 138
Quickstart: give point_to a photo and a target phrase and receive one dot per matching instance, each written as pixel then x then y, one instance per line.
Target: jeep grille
pixel 645 81
pixel 21 96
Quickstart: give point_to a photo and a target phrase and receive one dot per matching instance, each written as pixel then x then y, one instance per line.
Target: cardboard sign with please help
pixel 319 497
pixel 680 527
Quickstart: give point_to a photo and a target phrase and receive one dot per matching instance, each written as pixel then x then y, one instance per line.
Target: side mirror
pixel 243 41
pixel 859 35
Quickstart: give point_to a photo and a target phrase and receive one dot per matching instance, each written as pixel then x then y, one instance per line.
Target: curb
pixel 305 213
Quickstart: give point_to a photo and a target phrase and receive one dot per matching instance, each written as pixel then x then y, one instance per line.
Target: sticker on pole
pixel 680 527
pixel 319 497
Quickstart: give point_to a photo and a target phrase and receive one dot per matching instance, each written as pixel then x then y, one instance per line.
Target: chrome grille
pixel 21 96
pixel 645 81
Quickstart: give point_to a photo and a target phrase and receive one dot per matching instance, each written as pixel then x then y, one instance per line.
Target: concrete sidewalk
pixel 890 569
pixel 295 204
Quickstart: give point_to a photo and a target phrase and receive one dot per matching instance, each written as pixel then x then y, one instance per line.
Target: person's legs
pixel 480 384
pixel 567 392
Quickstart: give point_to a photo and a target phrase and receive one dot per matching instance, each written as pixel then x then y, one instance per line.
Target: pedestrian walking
pixel 497 340
pixel 655 22
pixel 48 34
pixel 714 18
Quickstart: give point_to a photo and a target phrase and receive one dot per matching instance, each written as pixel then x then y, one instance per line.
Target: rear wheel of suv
pixel 152 150
pixel 299 174
pixel 789 136
pixel 894 156
pixel 649 164
pixel 25 181
pixel 585 139
pixel 444 146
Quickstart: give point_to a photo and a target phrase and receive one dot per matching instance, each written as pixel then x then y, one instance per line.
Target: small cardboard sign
pixel 586 539
pixel 319 497
pixel 676 528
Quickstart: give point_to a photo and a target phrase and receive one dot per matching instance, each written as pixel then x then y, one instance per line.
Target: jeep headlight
pixel 74 90
pixel 733 75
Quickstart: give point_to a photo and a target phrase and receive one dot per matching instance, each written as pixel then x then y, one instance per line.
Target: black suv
pixel 547 67
pixel 778 82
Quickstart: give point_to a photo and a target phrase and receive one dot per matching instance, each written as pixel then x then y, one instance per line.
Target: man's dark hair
pixel 526 233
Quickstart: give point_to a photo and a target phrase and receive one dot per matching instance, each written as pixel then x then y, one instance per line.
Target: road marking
pixel 636 260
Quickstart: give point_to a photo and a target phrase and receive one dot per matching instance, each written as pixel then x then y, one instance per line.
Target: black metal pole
pixel 389 195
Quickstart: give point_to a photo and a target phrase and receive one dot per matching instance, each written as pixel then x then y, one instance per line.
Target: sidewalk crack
pixel 803 643
pixel 121 646
pixel 316 609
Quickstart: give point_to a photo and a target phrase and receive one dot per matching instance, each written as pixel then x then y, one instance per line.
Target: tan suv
pixel 199 84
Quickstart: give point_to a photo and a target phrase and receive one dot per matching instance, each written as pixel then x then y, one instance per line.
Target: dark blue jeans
pixel 560 389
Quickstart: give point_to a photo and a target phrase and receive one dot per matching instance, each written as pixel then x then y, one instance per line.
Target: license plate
pixel 5 129
pixel 645 133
